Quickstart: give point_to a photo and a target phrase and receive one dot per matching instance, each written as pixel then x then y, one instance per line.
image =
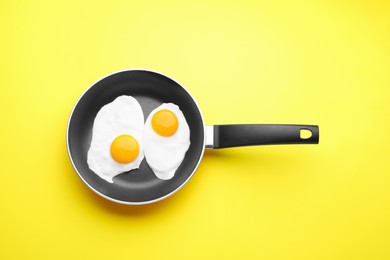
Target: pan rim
pixel 133 202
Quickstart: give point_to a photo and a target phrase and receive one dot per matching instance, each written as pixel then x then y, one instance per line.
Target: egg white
pixel 122 116
pixel 165 154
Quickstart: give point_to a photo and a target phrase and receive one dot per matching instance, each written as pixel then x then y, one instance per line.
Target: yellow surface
pixel 315 62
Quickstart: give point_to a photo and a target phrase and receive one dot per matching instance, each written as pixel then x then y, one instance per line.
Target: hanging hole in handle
pixel 305 133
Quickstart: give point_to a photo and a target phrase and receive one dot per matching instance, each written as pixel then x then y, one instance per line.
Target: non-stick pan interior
pixel 151 90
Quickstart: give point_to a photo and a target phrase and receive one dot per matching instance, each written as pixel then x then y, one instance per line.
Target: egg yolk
pixel 165 123
pixel 124 149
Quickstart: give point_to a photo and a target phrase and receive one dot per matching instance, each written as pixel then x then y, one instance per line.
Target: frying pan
pixel 151 89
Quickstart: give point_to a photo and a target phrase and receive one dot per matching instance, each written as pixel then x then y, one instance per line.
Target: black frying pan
pixel 151 89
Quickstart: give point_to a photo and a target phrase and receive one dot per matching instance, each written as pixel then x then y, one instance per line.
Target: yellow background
pixel 314 62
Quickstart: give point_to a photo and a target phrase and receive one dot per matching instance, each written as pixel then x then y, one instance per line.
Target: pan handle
pixel 224 136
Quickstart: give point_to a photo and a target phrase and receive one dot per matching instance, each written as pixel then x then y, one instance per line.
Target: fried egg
pixel 166 140
pixel 116 145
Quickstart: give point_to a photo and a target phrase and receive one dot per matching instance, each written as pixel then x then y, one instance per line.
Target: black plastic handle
pixel 262 134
